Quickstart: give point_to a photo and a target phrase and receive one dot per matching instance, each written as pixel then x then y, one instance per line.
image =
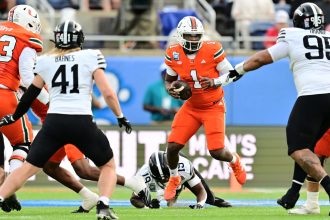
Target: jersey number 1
pixel 61 71
pixel 193 74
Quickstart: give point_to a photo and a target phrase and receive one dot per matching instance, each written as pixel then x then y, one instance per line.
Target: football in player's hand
pixel 183 88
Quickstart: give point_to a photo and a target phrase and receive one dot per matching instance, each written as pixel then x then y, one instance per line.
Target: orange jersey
pixel 191 70
pixel 13 39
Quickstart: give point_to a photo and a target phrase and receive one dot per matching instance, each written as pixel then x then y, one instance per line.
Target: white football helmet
pixel 25 16
pixel 190 25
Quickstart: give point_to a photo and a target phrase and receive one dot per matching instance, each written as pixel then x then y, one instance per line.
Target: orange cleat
pixel 170 189
pixel 238 170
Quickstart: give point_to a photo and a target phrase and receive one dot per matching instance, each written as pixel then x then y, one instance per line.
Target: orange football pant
pixel 20 132
pixel 189 119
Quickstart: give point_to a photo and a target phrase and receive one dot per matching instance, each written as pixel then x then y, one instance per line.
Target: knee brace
pixel 18 156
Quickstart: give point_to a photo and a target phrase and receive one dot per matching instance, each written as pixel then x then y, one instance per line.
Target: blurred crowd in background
pixel 242 20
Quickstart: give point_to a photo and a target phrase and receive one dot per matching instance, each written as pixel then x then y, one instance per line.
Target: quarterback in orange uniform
pixel 203 65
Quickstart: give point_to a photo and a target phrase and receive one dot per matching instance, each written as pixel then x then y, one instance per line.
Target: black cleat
pixel 218 202
pixel 4 206
pixel 11 203
pixel 80 210
pixel 288 201
pixel 103 212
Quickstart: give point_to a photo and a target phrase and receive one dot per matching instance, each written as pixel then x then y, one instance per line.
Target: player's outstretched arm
pixel 111 99
pixel 26 101
pixel 256 61
pixel 200 194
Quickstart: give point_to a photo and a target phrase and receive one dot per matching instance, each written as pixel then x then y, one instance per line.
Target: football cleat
pixel 172 185
pixel 4 206
pixel 221 203
pixel 11 203
pixel 305 210
pixel 288 201
pixel 80 210
pixel 238 170
pixel 103 212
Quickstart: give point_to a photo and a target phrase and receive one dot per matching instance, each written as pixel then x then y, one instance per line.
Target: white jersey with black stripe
pixel 69 79
pixel 309 54
pixel 185 170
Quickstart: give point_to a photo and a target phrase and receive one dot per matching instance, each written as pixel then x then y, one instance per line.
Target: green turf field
pixel 180 213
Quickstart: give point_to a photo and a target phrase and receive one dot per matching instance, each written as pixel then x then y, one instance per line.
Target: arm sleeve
pixel 26 101
pixel 26 64
pixel 170 71
pixel 279 50
pixel 224 66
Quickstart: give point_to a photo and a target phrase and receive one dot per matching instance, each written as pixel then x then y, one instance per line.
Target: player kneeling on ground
pixel 152 177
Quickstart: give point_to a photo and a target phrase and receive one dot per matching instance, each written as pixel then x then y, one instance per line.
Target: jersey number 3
pixel 61 71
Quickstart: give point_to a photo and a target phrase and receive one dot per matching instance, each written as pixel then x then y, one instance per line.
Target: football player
pixel 203 65
pixel 311 206
pixel 20 41
pixel 68 71
pixel 152 177
pixel 307 45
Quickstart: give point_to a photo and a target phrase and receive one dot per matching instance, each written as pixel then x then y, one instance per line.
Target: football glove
pixel 6 120
pixel 197 206
pixel 234 75
pixel 124 122
pixel 155 204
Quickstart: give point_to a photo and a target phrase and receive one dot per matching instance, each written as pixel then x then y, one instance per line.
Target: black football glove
pixel 233 74
pixel 7 120
pixel 124 122
pixel 197 206
pixel 155 204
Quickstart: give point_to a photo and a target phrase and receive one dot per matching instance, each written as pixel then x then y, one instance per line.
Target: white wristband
pixel 217 81
pixel 239 68
pixel 121 115
pixel 43 97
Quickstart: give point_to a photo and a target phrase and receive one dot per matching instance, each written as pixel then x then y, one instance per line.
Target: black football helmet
pixel 68 35
pixel 158 167
pixel 308 16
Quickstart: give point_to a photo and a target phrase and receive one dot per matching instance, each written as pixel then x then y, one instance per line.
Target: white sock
pixel 135 183
pixel 85 193
pixel 1 199
pixel 234 159
pixel 312 199
pixel 174 172
pixel 104 199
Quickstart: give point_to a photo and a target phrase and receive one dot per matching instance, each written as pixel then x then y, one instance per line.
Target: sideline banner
pixel 263 151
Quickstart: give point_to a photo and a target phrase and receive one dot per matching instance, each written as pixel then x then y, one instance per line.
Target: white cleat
pixel 304 210
pixel 90 202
